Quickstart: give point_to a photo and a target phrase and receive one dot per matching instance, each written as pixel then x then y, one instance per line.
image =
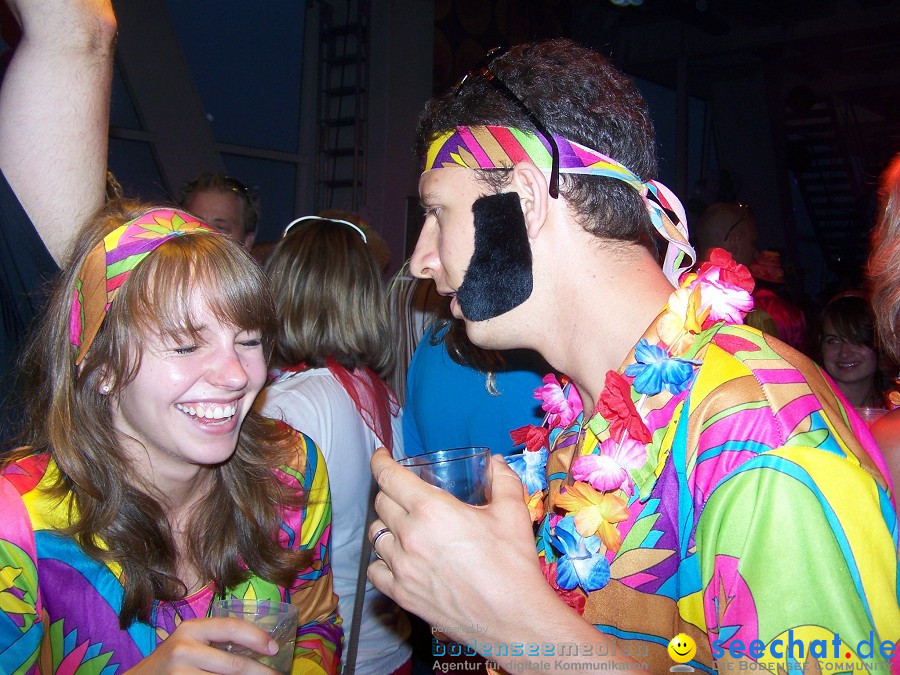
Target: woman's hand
pixel 189 650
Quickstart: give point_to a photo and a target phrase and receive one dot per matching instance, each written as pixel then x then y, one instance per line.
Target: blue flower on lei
pixel 580 563
pixel 656 370
pixel 531 467
pixel 544 538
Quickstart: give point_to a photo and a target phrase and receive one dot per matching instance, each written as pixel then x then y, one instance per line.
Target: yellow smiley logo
pixel 682 648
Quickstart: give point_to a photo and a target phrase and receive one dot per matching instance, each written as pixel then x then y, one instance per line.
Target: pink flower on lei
pixel 730 271
pixel 724 288
pixel 608 470
pixel 562 408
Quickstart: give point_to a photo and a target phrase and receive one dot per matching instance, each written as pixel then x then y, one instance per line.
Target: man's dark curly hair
pixel 578 94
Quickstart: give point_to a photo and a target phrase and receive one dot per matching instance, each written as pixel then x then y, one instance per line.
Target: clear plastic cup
pixel 869 415
pixel 463 472
pixel 278 619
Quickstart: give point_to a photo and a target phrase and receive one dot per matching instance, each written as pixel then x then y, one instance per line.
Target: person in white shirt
pixel 333 351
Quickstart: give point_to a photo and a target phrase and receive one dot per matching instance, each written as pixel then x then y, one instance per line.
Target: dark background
pixel 792 106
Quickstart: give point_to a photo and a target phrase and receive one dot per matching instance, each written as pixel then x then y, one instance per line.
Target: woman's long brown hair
pixel 114 514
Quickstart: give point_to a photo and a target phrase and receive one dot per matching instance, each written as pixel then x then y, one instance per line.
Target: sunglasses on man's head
pixel 483 70
pixel 745 213
pixel 235 185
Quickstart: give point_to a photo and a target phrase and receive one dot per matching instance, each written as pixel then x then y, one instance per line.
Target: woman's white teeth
pixel 210 412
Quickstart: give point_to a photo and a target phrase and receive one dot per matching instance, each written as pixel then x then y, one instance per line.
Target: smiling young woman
pixel 849 351
pixel 147 488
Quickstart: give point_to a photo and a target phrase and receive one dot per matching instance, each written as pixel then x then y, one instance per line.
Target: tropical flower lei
pixel 579 536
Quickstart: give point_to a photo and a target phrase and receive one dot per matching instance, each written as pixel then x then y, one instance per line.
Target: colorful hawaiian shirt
pixel 719 490
pixel 59 608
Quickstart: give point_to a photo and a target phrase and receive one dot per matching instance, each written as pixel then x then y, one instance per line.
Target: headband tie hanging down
pixel 111 262
pixel 489 147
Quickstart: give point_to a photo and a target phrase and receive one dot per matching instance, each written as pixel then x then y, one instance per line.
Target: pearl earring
pixel 104 389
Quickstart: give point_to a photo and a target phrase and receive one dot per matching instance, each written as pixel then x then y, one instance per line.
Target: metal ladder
pixel 825 163
pixel 342 110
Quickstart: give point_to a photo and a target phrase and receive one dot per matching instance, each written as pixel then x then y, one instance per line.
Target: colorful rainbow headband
pixel 111 262
pixel 484 147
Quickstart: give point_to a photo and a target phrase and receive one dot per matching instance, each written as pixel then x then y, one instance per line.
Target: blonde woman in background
pixel 884 277
pixel 333 352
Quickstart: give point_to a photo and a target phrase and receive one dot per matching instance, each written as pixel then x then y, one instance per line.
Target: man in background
pixel 225 203
pixel 728 226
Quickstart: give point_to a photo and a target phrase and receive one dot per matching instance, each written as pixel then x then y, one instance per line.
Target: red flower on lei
pixel 618 409
pixel 532 436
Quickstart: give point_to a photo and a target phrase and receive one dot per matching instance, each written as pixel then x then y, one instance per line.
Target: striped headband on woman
pixel 488 147
pixel 111 262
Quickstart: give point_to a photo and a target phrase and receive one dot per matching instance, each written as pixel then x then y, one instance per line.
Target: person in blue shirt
pixel 458 394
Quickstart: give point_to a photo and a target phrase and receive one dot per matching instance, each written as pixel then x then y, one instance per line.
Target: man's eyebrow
pixel 427 199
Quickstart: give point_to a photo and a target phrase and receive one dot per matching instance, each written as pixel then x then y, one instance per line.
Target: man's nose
pixel 424 259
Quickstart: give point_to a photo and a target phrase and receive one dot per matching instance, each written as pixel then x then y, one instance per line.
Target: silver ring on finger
pixel 378 535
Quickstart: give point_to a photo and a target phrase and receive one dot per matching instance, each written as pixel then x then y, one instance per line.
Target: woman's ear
pixel 104 379
pixel 531 184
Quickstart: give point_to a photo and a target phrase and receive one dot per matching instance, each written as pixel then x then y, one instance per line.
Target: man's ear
pixel 533 188
pixel 248 240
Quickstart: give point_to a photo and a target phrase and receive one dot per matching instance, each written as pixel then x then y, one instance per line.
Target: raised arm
pixel 54 113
